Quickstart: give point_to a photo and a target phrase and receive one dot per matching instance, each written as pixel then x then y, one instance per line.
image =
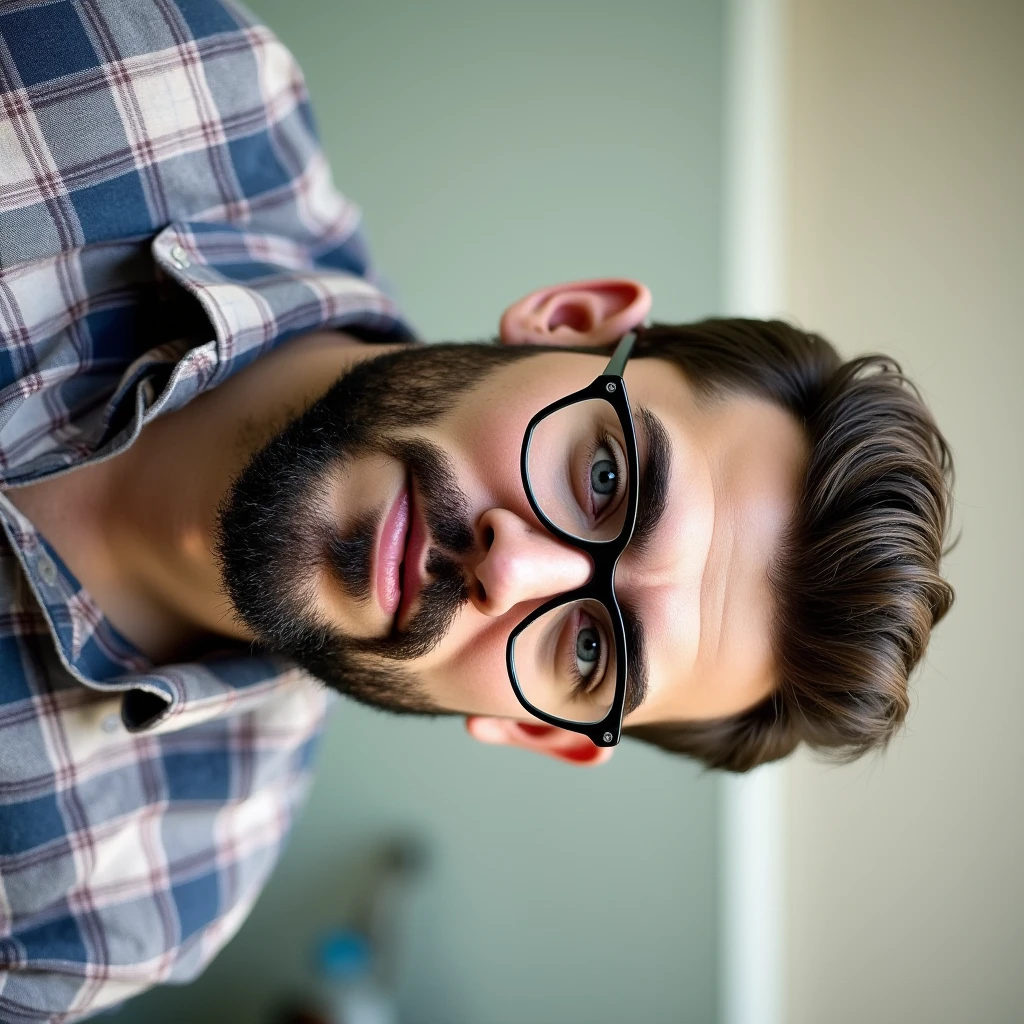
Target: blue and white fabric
pixel 166 216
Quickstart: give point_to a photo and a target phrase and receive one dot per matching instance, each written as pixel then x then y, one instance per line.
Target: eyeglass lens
pixel 565 661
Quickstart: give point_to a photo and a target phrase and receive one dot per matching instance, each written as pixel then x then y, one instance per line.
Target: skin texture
pixel 142 539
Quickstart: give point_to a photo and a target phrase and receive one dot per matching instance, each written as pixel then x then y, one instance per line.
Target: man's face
pixel 385 540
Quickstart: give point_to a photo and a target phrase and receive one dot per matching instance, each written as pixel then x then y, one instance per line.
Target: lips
pixel 399 574
pixel 390 553
pixel 412 566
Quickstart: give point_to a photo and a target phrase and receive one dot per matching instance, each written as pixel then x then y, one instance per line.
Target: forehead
pixel 738 463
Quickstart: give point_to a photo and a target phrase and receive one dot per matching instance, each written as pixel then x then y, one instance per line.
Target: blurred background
pixel 856 167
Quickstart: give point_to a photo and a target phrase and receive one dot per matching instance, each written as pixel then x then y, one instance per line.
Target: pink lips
pixel 403 540
pixel 412 567
pixel 390 553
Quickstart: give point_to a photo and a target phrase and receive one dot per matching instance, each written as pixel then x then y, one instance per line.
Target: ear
pixel 582 313
pixel 560 744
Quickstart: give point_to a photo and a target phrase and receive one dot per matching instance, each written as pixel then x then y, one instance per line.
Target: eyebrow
pixel 652 499
pixel 652 503
pixel 636 660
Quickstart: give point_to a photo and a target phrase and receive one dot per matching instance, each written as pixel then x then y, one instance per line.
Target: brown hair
pixel 856 581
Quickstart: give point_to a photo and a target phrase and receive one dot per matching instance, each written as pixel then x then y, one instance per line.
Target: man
pixel 224 463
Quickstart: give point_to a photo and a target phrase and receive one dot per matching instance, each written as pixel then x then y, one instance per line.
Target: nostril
pixel 488 538
pixel 480 592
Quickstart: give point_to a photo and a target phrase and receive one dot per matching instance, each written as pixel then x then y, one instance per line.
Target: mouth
pixel 399 575
pixel 412 564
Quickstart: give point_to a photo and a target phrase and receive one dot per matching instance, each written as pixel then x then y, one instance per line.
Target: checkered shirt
pixel 166 216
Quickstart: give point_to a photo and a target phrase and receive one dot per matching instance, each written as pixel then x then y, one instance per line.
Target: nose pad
pixel 522 562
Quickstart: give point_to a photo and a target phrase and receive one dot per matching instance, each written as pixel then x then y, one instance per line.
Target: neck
pixel 159 522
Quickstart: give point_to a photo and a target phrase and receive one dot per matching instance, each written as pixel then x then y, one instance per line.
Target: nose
pixel 522 562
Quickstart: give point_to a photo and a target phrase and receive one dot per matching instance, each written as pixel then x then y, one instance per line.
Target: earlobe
pixel 579 313
pixel 569 747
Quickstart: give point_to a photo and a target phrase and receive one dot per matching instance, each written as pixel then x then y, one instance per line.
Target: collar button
pixel 47 570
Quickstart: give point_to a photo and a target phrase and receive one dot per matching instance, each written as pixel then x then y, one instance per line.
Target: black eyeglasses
pixel 567 659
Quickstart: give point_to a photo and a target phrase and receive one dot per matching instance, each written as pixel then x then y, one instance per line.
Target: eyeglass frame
pixel 609 387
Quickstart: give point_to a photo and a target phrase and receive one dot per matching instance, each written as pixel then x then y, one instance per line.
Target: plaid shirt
pixel 166 216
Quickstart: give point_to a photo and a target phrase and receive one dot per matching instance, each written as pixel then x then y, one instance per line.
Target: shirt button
pixel 111 722
pixel 47 570
pixel 180 257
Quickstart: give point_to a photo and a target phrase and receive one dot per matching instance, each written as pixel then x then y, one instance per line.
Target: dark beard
pixel 275 538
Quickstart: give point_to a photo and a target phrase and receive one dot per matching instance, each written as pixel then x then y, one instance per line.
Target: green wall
pixel 496 148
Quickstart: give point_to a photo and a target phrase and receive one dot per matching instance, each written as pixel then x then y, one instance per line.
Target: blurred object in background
pixel 357 994
pixel 378 910
pixel 299 1014
pixel 356 962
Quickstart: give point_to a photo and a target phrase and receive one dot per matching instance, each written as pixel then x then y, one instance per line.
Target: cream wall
pixel 905 874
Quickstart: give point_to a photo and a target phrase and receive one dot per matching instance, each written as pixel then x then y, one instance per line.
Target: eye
pixel 588 651
pixel 604 474
pixel 605 477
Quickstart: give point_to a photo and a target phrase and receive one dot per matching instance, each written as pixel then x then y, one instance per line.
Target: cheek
pixel 486 427
pixel 467 672
pixel 485 435
pixel 491 440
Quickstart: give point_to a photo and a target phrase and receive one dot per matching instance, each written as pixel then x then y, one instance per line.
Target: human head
pixel 733 401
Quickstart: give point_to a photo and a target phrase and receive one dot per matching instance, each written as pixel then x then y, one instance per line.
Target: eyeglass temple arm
pixel 617 363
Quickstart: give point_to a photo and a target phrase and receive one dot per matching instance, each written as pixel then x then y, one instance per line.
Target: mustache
pixel 444 504
pixel 351 556
pixel 445 509
pixel 440 601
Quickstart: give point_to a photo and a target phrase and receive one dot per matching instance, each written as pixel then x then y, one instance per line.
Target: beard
pixel 276 537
